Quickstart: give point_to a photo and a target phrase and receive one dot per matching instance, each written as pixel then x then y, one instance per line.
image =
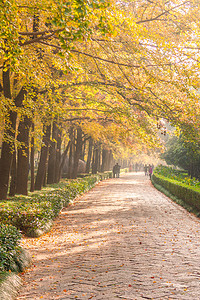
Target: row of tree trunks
pixel 102 159
pixel 58 157
pixel 89 157
pixel 40 177
pixel 63 158
pixel 8 145
pixel 107 160
pixel 71 152
pixel 51 162
pixel 194 170
pixel 32 161
pixel 51 177
pixel 13 181
pixel 78 149
pixel 95 158
pixel 23 156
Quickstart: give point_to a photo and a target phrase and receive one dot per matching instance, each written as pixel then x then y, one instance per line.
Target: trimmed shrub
pixel 33 215
pixel 11 257
pixel 189 194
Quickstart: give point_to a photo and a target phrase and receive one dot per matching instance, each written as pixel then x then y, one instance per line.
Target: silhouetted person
pixel 116 170
pixel 150 171
pixel 145 170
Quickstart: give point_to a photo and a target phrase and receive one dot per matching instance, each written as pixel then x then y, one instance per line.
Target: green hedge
pixel 189 194
pixel 33 215
pixel 13 258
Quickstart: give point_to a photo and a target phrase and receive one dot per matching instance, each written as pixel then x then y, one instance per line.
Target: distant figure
pixel 116 170
pixel 145 170
pixel 150 171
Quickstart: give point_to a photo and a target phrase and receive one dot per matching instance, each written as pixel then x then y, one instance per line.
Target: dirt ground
pixel 121 240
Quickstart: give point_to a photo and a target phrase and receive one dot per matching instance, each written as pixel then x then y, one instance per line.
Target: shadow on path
pixel 121 240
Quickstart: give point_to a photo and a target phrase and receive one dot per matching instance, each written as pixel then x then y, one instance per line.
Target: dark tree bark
pixel 32 161
pixel 43 159
pixel 89 157
pixel 52 156
pixel 71 153
pixel 58 157
pixel 99 158
pixel 6 161
pixel 82 154
pixel 32 156
pixel 63 158
pixel 105 158
pixel 95 159
pixel 110 160
pixel 23 157
pixel 9 131
pixel 78 147
pixel 45 171
pixel 13 181
pixel 70 164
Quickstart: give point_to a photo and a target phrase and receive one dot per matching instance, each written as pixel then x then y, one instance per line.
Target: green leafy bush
pixel 10 250
pixel 182 189
pixel 178 175
pixel 33 214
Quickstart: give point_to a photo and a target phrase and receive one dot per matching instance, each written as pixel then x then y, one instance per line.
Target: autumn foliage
pixel 90 80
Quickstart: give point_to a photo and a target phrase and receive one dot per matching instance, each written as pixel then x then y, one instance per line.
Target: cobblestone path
pixel 121 240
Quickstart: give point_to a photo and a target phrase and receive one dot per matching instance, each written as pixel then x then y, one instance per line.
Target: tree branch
pixel 37 33
pixel 162 14
pixel 36 40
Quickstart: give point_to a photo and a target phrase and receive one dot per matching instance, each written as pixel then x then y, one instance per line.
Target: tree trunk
pixel 44 183
pixel 52 156
pixel 63 157
pixel 43 159
pixel 78 147
pixel 13 180
pixel 58 157
pixel 23 157
pixel 105 158
pixel 110 160
pixel 95 160
pixel 99 158
pixel 32 161
pixel 82 154
pixel 5 166
pixel 9 132
pixel 71 153
pixel 70 163
pixel 89 155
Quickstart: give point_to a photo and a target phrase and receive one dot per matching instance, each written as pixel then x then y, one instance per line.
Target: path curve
pixel 121 240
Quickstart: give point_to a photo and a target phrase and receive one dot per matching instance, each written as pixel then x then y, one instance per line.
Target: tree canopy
pixel 113 69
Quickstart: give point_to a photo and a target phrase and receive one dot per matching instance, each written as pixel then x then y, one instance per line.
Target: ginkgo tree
pixel 27 63
pixel 116 67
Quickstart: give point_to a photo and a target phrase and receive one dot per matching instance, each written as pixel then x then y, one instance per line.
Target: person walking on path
pixel 116 170
pixel 145 170
pixel 150 171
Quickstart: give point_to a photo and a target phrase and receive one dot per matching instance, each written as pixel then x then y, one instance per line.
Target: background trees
pixel 183 154
pixel 83 74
